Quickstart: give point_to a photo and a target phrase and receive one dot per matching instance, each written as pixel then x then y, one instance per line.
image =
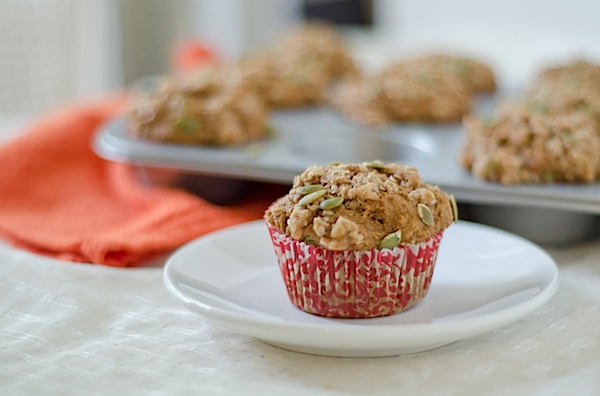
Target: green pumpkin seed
pixel 454 208
pixel 425 214
pixel 331 203
pixel 374 164
pixel 311 197
pixel 390 241
pixel 310 241
pixel 548 177
pixel 463 68
pixel 187 124
pixel 490 166
pixel 311 188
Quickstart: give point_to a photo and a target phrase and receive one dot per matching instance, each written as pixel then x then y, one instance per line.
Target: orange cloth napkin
pixel 58 198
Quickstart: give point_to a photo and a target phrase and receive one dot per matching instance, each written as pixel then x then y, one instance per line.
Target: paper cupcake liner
pixel 358 283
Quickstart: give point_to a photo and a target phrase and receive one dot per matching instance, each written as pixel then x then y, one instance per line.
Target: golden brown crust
pixel 376 203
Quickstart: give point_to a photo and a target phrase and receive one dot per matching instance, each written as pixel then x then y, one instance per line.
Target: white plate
pixel 484 278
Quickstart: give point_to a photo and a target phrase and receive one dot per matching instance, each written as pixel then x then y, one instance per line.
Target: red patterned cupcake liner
pixel 355 283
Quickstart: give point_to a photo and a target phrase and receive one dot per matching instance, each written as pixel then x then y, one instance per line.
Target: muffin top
pixel 575 74
pixel 402 92
pixel 361 207
pixel 567 89
pixel 525 146
pixel 475 75
pixel 300 68
pixel 551 136
pixel 216 107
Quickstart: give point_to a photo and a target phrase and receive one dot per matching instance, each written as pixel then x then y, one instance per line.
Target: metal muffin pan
pixel 553 214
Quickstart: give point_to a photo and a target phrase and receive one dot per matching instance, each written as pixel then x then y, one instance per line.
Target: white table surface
pixel 69 328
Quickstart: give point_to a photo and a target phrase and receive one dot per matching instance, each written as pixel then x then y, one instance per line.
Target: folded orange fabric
pixel 58 198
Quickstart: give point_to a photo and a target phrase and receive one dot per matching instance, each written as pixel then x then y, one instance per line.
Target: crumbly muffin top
pixel 319 43
pixel 521 146
pixel 574 74
pixel 300 67
pixel 567 89
pixel 552 136
pixel 216 107
pixel 403 91
pixel 361 207
pixel 475 75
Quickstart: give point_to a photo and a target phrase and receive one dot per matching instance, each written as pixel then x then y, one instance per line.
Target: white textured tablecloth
pixel 84 329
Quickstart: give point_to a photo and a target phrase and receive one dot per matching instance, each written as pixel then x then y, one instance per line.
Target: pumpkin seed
pixel 187 124
pixel 390 241
pixel 310 241
pixel 374 164
pixel 548 177
pixel 425 214
pixel 491 165
pixel 311 188
pixel 454 208
pixel 463 68
pixel 311 197
pixel 331 203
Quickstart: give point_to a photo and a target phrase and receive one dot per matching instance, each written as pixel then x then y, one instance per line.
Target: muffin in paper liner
pixel 355 283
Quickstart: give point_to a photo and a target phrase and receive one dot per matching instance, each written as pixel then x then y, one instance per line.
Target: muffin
pixel 299 69
pixel 358 240
pixel 475 75
pixel 402 92
pixel 216 107
pixel 576 73
pixel 524 146
pixel 574 87
pixel 551 136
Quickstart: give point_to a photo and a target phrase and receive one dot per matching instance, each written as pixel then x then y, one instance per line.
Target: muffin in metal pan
pixel 216 107
pixel 437 88
pixel 551 136
pixel 299 69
